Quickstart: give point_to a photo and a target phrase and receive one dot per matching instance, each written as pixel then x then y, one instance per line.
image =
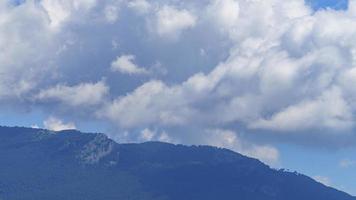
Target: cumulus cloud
pixel 126 64
pixel 55 124
pixel 288 69
pixel 141 108
pixel 274 78
pixel 231 140
pixel 152 135
pixel 147 135
pixel 59 11
pixel 224 12
pixel 84 94
pixel 214 137
pixel 20 71
pixel 171 22
pixel 329 110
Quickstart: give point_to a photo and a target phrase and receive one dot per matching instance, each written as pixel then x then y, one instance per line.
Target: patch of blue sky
pixel 323 163
pixel 328 4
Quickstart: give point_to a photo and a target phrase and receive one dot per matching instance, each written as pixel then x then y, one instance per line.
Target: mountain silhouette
pixel 70 165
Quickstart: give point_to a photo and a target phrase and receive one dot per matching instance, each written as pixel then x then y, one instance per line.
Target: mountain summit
pixel 41 164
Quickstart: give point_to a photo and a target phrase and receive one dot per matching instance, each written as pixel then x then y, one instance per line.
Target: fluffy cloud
pixel 59 11
pixel 20 70
pixel 55 124
pixel 170 22
pixel 224 12
pixel 125 64
pixel 214 137
pixel 150 135
pixel 273 79
pixel 329 110
pixel 288 69
pixel 141 108
pixel 231 140
pixel 84 94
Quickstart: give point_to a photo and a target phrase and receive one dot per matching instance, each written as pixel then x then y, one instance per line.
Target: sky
pixel 271 79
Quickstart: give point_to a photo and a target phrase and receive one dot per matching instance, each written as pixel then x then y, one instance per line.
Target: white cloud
pixel 151 135
pixel 329 110
pixel 59 11
pixel 140 6
pixel 55 124
pixel 285 68
pixel 224 12
pixel 56 11
pixel 35 126
pixel 347 163
pixel 152 103
pixel 323 179
pixel 171 22
pixel 20 68
pixel 111 13
pixel 126 64
pixel 274 78
pixel 84 94
pixel 229 139
pixel 147 135
pixel 213 137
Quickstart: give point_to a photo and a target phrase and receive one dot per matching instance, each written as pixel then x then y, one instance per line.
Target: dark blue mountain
pixel 70 165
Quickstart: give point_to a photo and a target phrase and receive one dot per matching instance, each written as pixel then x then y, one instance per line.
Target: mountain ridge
pixel 40 164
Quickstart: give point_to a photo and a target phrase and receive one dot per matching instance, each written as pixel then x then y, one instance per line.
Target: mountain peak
pixel 96 149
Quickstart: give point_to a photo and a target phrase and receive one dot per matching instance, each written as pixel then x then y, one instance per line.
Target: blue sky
pixel 334 4
pixel 277 85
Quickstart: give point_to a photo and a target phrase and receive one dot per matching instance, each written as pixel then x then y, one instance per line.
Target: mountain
pixel 70 165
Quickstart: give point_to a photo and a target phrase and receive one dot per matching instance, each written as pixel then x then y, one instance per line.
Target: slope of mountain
pixel 41 164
